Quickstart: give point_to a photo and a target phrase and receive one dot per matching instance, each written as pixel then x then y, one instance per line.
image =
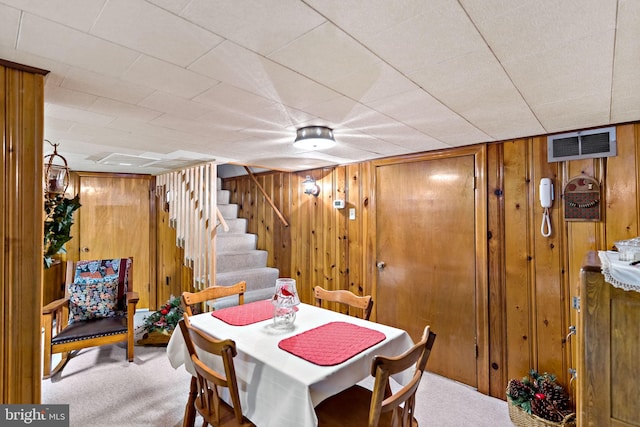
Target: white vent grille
pixel 582 145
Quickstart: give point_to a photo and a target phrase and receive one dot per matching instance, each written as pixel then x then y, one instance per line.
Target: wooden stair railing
pixel 267 197
pixel 191 196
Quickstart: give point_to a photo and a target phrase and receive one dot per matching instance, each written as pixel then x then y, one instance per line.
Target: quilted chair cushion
pixel 106 269
pixel 93 298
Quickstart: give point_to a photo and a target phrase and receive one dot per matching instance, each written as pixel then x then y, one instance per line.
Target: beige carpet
pixel 103 389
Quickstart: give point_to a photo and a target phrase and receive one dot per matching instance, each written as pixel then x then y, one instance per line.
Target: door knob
pixel 380 265
pixel 85 249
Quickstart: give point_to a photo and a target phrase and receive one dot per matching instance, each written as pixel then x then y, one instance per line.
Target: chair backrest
pixel 344 297
pixel 189 299
pixel 209 379
pixel 402 402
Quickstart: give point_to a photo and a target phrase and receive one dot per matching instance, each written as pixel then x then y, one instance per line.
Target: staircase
pixel 238 259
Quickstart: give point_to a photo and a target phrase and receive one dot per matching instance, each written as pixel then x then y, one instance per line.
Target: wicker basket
pixel 520 418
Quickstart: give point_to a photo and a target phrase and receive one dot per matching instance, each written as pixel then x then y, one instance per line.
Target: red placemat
pixel 331 344
pixel 246 314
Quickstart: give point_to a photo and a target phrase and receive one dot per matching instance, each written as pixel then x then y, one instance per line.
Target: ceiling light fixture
pixel 314 138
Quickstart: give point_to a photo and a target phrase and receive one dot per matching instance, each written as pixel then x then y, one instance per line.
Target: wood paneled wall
pixel 531 277
pixel 21 206
pixel 321 246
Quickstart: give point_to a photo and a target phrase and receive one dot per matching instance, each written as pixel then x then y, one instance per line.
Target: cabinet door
pixel 608 377
pixel 115 222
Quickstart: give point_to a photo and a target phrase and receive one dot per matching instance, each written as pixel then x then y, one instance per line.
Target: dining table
pixel 283 374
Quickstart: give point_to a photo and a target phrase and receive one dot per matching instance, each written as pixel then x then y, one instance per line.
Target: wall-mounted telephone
pixel 546 192
pixel 546 201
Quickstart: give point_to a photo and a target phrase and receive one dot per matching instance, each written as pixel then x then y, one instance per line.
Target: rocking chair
pixel 98 309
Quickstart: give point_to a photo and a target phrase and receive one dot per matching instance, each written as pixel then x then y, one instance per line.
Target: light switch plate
pixel 352 214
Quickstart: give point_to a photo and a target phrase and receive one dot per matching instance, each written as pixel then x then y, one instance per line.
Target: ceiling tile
pixel 51 40
pixel 164 137
pixel 325 54
pixel 421 111
pixel 461 81
pixel 565 72
pixel 625 104
pixel 364 19
pixel 76 115
pixel 223 95
pixel 174 105
pixel 438 34
pixel 260 25
pixel 79 14
pixel 371 83
pixel 69 98
pixel 108 87
pixel 121 109
pixel 234 65
pixel 292 89
pixel 585 111
pixel 175 6
pixel 532 28
pixel 203 129
pixel 9 23
pixel 149 29
pixel 170 78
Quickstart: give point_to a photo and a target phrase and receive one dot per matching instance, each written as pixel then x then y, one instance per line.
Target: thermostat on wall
pixel 338 204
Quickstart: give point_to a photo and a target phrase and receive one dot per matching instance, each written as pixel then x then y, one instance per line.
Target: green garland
pixel 166 319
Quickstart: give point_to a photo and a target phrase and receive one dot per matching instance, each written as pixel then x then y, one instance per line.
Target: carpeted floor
pixel 103 389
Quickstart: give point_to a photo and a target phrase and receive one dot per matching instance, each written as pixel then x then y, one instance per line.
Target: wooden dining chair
pixel 365 303
pixel 193 301
pixel 213 409
pixel 358 406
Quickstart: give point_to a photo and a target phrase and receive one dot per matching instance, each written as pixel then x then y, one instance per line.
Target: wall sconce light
pixel 314 138
pixel 310 186
pixel 56 173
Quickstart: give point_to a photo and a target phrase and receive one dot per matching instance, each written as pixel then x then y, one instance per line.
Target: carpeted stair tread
pixel 240 260
pixel 234 242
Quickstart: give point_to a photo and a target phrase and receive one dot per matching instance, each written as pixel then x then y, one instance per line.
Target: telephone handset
pixel 546 201
pixel 546 193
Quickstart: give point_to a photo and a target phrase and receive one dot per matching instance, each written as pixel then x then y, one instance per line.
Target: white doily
pixel 619 273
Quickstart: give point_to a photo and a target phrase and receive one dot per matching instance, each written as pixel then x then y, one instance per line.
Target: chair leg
pixel 190 409
pixel 47 357
pixel 130 345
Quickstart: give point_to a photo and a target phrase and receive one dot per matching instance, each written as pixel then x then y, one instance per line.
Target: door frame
pixel 481 243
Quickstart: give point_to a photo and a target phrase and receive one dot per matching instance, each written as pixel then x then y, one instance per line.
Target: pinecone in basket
pixel 555 394
pixel 543 408
pixel 519 392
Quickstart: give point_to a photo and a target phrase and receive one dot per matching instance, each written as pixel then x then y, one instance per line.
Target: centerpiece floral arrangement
pixel 539 395
pixel 166 319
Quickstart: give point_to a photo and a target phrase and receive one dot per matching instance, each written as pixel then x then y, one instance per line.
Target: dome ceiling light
pixel 314 138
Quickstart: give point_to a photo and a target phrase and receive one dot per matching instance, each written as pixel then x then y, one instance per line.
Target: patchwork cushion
pixel 106 269
pixel 93 298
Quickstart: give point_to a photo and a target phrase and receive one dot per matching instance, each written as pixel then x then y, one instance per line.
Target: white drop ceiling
pixel 168 83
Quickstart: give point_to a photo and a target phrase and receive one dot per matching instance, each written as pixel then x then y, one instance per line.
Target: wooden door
pixel 425 236
pixel 115 222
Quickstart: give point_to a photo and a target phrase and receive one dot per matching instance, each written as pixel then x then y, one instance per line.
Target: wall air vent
pixel 582 145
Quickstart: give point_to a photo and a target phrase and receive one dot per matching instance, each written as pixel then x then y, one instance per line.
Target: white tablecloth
pixel 620 274
pixel 278 389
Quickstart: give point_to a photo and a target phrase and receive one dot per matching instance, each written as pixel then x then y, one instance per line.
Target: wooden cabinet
pixel 608 332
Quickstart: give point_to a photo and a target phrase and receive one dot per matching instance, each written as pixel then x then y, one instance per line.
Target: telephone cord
pixel 546 223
